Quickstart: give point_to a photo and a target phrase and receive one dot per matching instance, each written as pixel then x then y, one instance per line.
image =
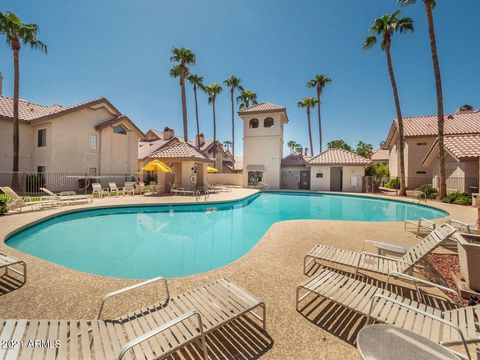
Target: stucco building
pixel 420 140
pixel 92 138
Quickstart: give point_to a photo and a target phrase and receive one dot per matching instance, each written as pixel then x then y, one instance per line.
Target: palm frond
pixel 369 42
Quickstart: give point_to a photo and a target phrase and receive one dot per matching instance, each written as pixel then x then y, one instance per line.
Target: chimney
pixel 200 140
pixel 168 133
pixel 1 84
pixel 464 109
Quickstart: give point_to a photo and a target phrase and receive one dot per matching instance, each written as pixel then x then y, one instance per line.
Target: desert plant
pixel 34 182
pixel 458 198
pixel 3 206
pixel 379 172
pixel 427 191
pixel 393 184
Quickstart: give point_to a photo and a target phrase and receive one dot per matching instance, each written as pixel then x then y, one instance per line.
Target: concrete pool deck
pixel 270 271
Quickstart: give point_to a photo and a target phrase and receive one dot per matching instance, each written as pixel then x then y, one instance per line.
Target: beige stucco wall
pixel 225 179
pixel 263 146
pixel 459 175
pixel 290 177
pixel 323 184
pixel 27 143
pixel 348 173
pixel 320 184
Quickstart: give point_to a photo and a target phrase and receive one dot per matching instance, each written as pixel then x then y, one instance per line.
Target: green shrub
pixel 393 184
pixel 427 191
pixel 458 198
pixel 3 206
pixel 34 182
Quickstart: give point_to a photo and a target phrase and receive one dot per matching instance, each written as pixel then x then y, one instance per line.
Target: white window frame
pixel 90 142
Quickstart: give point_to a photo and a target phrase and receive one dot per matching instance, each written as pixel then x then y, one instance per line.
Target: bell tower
pixel 263 144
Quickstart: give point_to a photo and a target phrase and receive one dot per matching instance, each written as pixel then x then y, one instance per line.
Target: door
pixel 304 180
pixel 336 178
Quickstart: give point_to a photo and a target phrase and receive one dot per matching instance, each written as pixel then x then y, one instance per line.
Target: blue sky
pixel 120 49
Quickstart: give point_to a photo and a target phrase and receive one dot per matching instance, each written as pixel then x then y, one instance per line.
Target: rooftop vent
pixel 464 109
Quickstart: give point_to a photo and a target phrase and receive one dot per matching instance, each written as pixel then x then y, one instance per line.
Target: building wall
pixel 27 144
pixel 348 173
pixel 320 183
pixel 263 146
pixel 290 177
pixel 323 183
pixel 460 176
pixel 225 179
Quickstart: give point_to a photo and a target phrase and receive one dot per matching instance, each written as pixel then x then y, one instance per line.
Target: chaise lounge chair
pixel 16 203
pixel 464 226
pixel 129 188
pixel 114 190
pixel 421 225
pixel 379 263
pixel 450 327
pixel 98 190
pixel 11 264
pixel 68 197
pixel 150 333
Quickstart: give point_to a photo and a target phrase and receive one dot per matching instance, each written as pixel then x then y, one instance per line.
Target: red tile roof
pixel 461 147
pixel 262 107
pixel 295 160
pixel 182 151
pixel 27 110
pixel 380 155
pixel 338 157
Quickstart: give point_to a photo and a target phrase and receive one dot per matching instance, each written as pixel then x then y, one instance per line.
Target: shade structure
pixel 211 170
pixel 157 165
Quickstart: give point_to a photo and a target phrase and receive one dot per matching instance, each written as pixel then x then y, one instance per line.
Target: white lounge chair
pixel 17 203
pixel 448 327
pixel 377 263
pixel 149 333
pixel 68 197
pixel 129 188
pixel 114 190
pixel 99 191
pixel 144 189
pixel 421 225
pixel 464 226
pixel 9 263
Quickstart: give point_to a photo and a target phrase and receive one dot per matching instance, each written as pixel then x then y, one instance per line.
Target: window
pixel 119 130
pixel 421 172
pixel 268 122
pixel 319 175
pixel 92 171
pixel 42 138
pixel 253 124
pixel 92 145
pixel 40 169
pixel 422 144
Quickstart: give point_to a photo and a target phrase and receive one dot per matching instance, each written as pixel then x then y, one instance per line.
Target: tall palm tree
pixel 17 32
pixel 292 145
pixel 233 83
pixel 319 82
pixel 245 97
pixel 183 57
pixel 429 6
pixel 384 28
pixel 212 91
pixel 308 103
pixel 197 83
pixel 227 144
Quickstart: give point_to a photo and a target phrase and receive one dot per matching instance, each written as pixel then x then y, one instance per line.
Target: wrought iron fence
pixel 29 183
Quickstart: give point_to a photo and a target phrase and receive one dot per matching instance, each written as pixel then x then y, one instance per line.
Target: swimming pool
pixel 176 240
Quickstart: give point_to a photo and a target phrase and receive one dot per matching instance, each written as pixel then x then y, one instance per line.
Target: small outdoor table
pixel 388 342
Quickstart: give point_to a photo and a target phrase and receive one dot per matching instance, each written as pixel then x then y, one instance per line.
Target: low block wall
pixel 225 179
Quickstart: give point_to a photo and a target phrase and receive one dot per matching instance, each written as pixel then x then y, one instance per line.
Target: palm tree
pixel 292 145
pixel 16 32
pixel 212 91
pixel 197 83
pixel 233 83
pixel 245 97
pixel 429 5
pixel 227 144
pixel 319 82
pixel 384 28
pixel 308 103
pixel 183 57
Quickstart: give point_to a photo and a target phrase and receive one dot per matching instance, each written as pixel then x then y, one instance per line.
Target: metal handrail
pixel 130 288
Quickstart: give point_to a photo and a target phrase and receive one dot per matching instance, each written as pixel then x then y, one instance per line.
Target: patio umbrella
pixel 211 170
pixel 157 165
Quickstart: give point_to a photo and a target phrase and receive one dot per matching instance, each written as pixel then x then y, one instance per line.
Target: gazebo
pixel 188 163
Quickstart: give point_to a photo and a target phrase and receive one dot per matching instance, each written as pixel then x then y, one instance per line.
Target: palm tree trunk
pixel 16 130
pixel 310 131
pixel 439 90
pixel 196 116
pixel 214 132
pixel 233 123
pixel 403 190
pixel 319 120
pixel 184 108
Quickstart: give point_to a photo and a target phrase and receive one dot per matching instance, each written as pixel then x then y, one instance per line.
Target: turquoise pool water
pixel 178 240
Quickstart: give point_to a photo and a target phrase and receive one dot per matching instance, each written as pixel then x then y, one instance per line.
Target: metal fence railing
pixel 29 183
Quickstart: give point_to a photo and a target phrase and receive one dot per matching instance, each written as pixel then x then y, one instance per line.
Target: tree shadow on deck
pixel 345 323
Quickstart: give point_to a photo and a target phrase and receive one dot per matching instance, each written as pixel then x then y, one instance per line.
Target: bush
pixel 458 198
pixel 427 191
pixel 34 182
pixel 393 184
pixel 3 206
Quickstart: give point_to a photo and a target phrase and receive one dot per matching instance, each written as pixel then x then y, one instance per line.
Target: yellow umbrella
pixel 157 165
pixel 211 170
